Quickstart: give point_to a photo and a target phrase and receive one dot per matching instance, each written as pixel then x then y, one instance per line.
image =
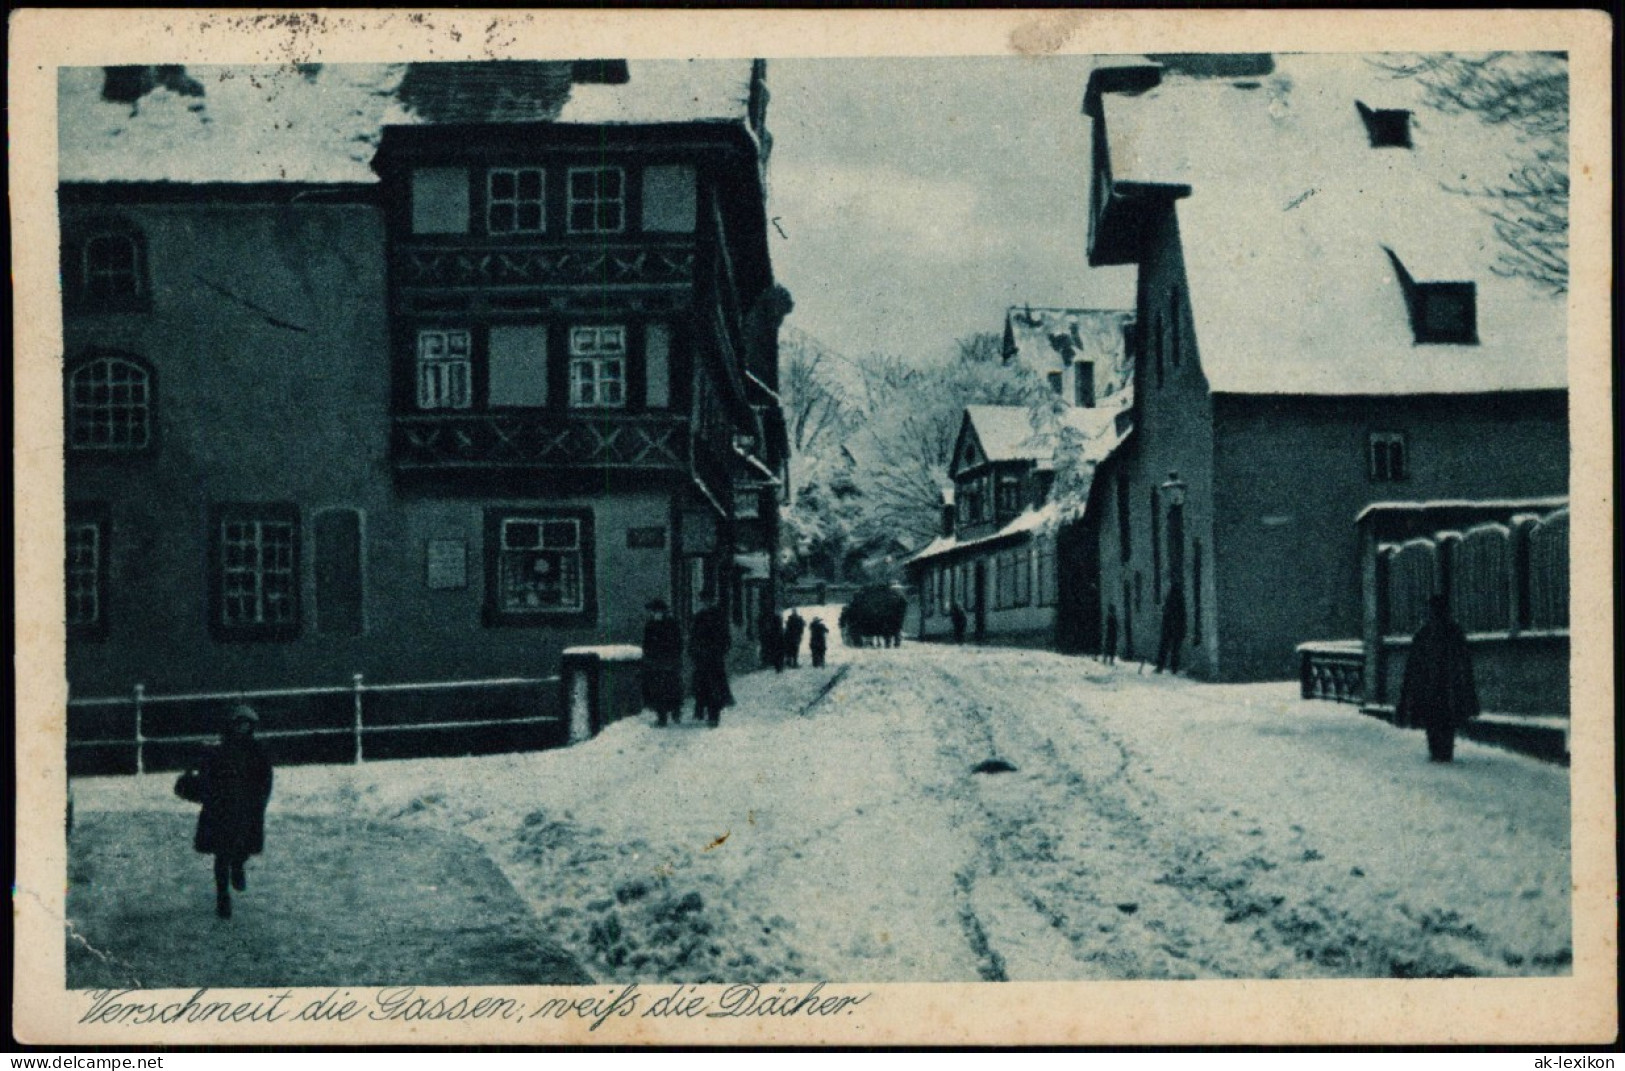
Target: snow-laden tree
pixel 1528 93
pixel 910 418
pixel 871 439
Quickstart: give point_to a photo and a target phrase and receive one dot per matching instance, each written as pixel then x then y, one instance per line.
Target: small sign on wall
pixel 446 563
pixel 646 538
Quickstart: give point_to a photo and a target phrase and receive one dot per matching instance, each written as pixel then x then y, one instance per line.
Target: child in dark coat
pixel 234 786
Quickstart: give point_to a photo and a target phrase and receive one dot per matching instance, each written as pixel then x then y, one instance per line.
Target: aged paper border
pixel 1578 1009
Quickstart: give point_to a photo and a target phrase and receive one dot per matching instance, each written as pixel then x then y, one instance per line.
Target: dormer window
pixel 1388 128
pixel 597 200
pixel 1442 313
pixel 1446 312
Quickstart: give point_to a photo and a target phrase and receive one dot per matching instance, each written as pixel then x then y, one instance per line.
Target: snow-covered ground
pixel 1151 827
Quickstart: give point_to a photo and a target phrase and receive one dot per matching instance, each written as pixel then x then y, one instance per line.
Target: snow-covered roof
pixel 1030 521
pixel 1553 502
pixel 1050 338
pixel 1291 213
pixel 322 123
pixel 1006 432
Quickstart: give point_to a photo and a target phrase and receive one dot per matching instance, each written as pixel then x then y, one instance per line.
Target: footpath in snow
pixel 935 813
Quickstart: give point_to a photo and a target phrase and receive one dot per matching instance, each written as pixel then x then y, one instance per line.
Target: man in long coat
pixel 817 641
pixel 662 675
pixel 794 626
pixel 235 783
pixel 709 650
pixel 772 633
pixel 1173 629
pixel 1438 692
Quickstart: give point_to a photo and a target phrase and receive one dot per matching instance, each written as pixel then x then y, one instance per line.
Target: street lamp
pixel 1173 490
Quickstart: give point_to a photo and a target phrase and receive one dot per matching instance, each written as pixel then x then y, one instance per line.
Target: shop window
pixel 539 566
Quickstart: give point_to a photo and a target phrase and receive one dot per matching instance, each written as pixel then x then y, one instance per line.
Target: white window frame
pixel 515 201
pixel 445 368
pixel 107 412
pixel 84 574
pixel 598 366
pixel 558 535
pixel 595 200
pixel 259 588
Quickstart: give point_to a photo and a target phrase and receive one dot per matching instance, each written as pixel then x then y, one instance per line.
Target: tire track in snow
pixel 1219 919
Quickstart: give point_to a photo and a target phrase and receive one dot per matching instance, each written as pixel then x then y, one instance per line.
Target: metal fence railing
pixel 140 732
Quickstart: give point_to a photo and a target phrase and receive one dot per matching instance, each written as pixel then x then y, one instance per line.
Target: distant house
pixel 1084 355
pixel 456 369
pixel 1003 556
pixel 1321 328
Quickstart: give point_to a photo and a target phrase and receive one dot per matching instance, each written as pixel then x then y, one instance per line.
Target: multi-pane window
pixel 257 558
pixel 109 405
pixel 1009 493
pixel 1047 589
pixel 1387 456
pixel 515 200
pixel 539 565
pixel 1023 563
pixel 597 201
pixel 86 574
pixel 598 367
pixel 111 267
pixel 444 369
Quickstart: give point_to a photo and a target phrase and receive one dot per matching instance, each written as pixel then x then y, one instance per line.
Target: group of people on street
pixel 232 780
pixel 663 664
pixel 781 640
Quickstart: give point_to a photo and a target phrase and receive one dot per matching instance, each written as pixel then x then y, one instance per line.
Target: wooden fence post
pixel 140 739
pixel 356 685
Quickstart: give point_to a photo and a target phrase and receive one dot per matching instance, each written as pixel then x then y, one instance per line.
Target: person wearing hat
pixel 662 676
pixel 234 783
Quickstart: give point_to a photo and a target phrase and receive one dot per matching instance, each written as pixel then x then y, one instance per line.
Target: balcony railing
pixel 539 440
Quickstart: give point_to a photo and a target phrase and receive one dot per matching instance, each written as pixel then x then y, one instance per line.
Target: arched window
pixel 110 404
pixel 104 267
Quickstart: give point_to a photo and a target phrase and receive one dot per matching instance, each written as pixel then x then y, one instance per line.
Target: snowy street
pixel 1146 827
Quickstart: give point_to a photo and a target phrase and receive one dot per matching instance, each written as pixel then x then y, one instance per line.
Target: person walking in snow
pixel 233 782
pixel 817 641
pixel 662 669
pixel 709 651
pixel 772 635
pixel 1173 629
pixel 1108 651
pixel 794 626
pixel 956 613
pixel 1438 692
